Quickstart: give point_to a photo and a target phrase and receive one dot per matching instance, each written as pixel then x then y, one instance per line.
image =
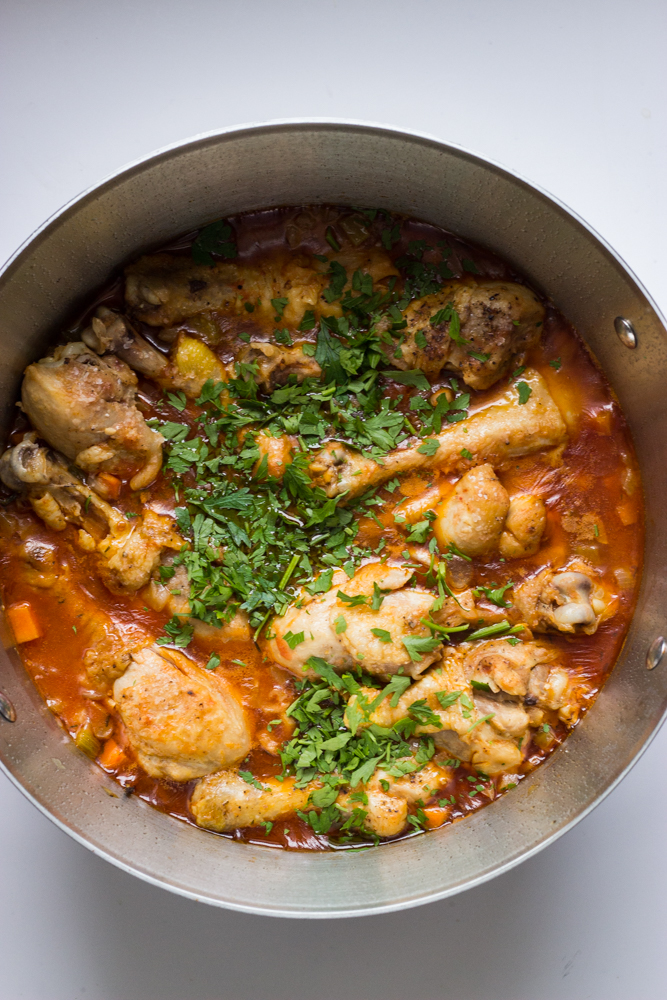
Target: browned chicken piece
pixel 275 363
pixel 342 634
pixel 84 406
pixel 163 289
pixel 488 689
pixel 389 797
pixel 566 600
pixel 551 687
pixel 385 815
pixel 498 320
pixel 315 618
pixel 111 333
pixel 524 527
pixel 504 668
pixel 175 598
pixel 505 429
pixel 190 365
pixel 477 518
pixel 181 721
pixel 473 517
pixel 125 551
pixel 224 801
pixel 476 737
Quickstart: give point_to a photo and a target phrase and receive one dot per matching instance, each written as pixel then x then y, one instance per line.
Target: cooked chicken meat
pixel 376 639
pixel 174 596
pixel 505 429
pixel 524 527
pixel 84 406
pixel 472 518
pixel 477 691
pixel 498 321
pixel 275 364
pixel 191 363
pixel 162 290
pixel 224 801
pixel 364 621
pixel 566 601
pixel 488 750
pixel 182 722
pixel 126 551
pixel 389 798
pixel 111 333
pixel 313 618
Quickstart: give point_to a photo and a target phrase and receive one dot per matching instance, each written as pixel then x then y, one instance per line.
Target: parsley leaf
pixel 340 625
pixel 250 779
pixel 524 391
pixel 415 378
pixel 213 661
pixel 294 640
pixel 308 322
pixel 418 646
pixel 382 634
pixel 497 595
pixel 217 238
pixel 429 447
pixel 447 698
pixel 327 355
pixel 279 306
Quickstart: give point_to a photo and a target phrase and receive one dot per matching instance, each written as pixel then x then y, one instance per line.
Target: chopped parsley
pixel 330 744
pixel 218 239
pixel 382 634
pixel 250 779
pixel 524 391
pixel 496 594
pixel 253 541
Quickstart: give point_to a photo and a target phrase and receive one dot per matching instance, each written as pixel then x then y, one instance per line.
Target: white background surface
pixel 570 93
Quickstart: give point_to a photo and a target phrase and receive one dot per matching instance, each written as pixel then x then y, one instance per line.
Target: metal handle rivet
pixel 656 651
pixel 626 332
pixel 7 710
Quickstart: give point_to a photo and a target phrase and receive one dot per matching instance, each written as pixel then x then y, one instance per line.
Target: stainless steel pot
pixel 305 162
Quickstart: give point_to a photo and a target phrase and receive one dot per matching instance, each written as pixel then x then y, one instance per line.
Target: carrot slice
pixel 24 623
pixel 435 816
pixel 111 755
pixel 112 484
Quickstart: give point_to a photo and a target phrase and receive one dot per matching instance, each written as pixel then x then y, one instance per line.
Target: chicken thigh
pixel 181 721
pixel 498 320
pixel 85 407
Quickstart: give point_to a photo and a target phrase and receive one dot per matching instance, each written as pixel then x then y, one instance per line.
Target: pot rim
pixel 326 124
